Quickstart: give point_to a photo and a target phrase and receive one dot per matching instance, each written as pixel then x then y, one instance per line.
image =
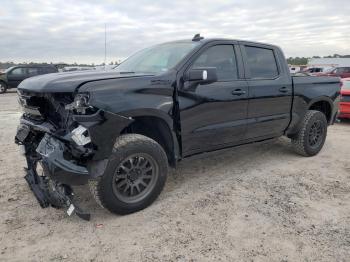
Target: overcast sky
pixel 73 31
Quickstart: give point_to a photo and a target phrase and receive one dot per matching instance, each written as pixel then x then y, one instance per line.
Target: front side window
pixel 18 71
pixel 223 58
pixel 261 62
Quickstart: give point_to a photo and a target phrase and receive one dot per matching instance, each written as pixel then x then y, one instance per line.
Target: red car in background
pixel 342 72
pixel 344 107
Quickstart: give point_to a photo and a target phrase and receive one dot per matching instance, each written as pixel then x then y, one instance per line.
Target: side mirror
pixel 203 75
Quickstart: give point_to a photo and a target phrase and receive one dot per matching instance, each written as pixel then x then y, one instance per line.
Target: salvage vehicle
pixel 344 108
pixel 342 72
pixel 14 75
pixel 120 130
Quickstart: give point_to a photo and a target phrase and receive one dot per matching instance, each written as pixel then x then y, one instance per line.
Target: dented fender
pixel 103 128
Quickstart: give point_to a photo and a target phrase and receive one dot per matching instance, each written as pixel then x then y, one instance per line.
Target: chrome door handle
pixel 238 92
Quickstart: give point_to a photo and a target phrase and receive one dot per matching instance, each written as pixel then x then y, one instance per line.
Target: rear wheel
pixel 3 87
pixel 312 134
pixel 134 177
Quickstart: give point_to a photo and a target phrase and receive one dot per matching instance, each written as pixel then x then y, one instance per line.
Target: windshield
pixel 156 59
pixel 8 69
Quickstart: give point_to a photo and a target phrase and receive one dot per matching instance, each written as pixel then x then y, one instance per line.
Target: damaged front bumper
pixel 67 157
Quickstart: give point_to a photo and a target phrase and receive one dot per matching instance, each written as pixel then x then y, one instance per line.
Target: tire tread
pixel 298 141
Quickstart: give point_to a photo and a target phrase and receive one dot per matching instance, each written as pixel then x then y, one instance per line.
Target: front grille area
pixel 46 107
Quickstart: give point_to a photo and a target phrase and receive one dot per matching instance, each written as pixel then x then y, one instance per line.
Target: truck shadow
pixel 344 121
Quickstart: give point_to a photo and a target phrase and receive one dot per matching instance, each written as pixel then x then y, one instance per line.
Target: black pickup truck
pixel 119 130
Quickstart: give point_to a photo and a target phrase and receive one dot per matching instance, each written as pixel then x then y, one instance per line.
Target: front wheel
pixel 134 177
pixel 312 134
pixel 3 87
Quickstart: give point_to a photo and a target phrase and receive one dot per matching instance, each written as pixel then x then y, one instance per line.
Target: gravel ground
pixel 254 203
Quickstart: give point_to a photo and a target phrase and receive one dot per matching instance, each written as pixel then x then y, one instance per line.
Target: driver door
pixel 16 76
pixel 214 115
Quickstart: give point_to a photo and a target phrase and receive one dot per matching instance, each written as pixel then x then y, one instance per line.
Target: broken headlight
pixel 81 104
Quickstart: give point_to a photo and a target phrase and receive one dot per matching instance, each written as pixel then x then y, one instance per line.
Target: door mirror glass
pixel 204 75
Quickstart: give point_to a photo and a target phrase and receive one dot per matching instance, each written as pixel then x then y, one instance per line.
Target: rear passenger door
pixel 270 91
pixel 33 71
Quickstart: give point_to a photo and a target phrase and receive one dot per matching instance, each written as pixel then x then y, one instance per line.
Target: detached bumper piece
pixel 52 187
pixel 49 194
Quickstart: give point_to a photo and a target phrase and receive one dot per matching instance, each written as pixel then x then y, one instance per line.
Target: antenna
pixel 197 37
pixel 105 45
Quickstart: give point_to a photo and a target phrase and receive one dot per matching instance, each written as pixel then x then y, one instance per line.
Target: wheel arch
pixel 157 126
pixel 323 104
pixel 5 82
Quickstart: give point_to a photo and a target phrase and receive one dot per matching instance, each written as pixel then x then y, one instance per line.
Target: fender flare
pixel 151 112
pixel 319 99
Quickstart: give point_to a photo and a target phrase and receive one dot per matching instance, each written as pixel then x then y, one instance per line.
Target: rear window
pixel 261 62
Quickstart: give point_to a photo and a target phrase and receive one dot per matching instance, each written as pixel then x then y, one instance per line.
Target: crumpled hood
pixel 68 81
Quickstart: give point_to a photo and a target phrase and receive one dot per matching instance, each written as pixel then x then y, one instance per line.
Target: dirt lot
pixel 255 203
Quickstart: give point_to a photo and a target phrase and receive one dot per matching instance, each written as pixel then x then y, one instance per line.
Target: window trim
pixel 236 52
pixel 247 71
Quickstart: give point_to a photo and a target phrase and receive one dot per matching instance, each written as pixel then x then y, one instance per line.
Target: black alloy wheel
pixel 135 177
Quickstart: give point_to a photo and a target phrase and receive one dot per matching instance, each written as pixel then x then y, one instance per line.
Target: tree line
pixel 290 60
pixel 304 60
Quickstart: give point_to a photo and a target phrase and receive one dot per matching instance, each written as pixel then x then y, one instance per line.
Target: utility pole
pixel 105 45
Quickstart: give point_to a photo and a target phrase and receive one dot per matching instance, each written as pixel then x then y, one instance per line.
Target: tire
pixel 3 87
pixel 128 172
pixel 312 134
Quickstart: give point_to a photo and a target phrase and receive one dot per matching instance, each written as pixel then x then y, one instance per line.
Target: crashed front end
pixel 66 141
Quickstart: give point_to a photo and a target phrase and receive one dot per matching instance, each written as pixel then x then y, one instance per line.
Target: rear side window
pixel 223 58
pixel 342 70
pixel 33 71
pixel 261 62
pixel 50 70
